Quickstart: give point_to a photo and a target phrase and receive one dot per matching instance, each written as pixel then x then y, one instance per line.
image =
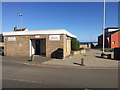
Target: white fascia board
pixel 42 32
pixel 111 30
pixel 71 35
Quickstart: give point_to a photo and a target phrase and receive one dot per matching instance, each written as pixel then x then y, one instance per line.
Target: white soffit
pixel 38 32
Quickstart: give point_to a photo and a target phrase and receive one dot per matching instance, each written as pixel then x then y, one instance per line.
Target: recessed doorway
pixel 38 47
pixel 37 51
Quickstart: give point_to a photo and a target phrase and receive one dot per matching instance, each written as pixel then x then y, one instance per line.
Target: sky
pixel 83 19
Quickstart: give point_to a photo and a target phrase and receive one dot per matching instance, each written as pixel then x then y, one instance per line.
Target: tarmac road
pixel 17 75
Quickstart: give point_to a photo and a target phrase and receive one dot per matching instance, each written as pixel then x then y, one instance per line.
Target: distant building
pixel 89 45
pixel 112 38
pixel 23 29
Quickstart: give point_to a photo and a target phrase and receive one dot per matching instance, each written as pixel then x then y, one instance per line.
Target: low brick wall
pixel 78 52
pixel 75 52
pixel 82 51
pixel 85 45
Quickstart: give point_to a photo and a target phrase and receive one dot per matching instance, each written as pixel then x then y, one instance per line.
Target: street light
pixel 21 20
pixel 104 27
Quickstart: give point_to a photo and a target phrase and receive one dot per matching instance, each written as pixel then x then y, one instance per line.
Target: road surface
pixel 17 75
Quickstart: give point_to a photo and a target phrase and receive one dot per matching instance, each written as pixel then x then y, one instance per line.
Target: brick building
pixel 115 39
pixel 42 42
pixel 112 38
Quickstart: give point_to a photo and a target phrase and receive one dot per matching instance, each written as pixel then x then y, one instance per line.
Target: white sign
pixel 11 38
pixel 37 36
pixel 54 37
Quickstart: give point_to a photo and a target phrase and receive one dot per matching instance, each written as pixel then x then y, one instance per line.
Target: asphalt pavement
pixel 16 75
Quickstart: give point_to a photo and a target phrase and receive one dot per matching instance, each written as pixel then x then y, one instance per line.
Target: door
pixel 37 52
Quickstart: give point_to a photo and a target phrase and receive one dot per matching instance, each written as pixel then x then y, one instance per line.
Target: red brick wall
pixel 116 38
pixel 119 39
pixel 100 41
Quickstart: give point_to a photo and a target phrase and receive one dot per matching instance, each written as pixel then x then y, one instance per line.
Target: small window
pixel 113 42
pixel 67 45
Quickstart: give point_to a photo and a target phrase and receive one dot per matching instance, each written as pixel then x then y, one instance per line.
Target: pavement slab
pixel 91 59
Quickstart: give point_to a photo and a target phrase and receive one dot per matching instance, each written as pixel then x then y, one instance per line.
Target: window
pixel 113 42
pixel 67 45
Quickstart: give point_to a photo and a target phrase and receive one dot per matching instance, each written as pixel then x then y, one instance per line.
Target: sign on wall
pixel 11 38
pixel 37 36
pixel 54 37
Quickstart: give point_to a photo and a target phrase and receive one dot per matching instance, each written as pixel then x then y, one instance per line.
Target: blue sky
pixel 83 19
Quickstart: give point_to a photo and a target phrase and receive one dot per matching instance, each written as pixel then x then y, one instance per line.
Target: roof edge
pixel 36 32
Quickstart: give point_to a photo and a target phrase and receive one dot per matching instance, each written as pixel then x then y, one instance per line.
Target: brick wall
pixel 85 45
pixel 100 42
pixel 119 39
pixel 21 47
pixel 52 46
pixel 116 39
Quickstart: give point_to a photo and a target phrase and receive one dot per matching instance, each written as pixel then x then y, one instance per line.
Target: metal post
pixel 104 27
pixel 21 23
pixel 32 58
pixel 21 20
pixel 82 62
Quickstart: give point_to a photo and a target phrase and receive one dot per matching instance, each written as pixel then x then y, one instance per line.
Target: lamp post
pixel 21 20
pixel 104 28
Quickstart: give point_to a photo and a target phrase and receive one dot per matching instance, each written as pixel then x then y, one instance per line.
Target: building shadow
pixel 58 54
pixel 54 54
pixel 104 58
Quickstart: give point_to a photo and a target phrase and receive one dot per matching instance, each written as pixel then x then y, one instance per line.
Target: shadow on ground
pixel 39 59
pixel 78 64
pixel 104 58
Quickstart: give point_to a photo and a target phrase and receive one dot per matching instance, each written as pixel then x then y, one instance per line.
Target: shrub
pixel 109 50
pixel 81 48
pixel 1 38
pixel 75 44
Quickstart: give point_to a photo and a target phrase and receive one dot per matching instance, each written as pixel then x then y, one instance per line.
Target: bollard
pixel 82 61
pixel 109 56
pixel 102 54
pixel 32 58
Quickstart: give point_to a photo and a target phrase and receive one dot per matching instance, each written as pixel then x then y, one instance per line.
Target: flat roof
pixel 39 32
pixel 112 28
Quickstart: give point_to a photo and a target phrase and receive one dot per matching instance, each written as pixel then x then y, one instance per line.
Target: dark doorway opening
pixel 38 46
pixel 37 51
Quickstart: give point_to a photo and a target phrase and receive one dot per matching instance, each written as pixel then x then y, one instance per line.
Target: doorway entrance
pixel 38 47
pixel 37 51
